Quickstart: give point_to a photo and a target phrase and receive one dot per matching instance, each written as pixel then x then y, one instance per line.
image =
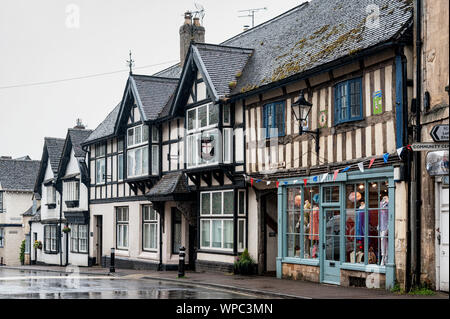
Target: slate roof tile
pixel 169 184
pixel 105 128
pixel 18 174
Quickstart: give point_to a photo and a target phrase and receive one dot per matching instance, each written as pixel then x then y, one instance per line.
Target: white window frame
pixel 120 226
pixel 51 194
pixel 211 202
pixel 99 164
pixel 131 154
pixel 155 160
pixel 71 190
pixel 245 203
pixel 78 236
pixel 141 136
pixel 222 242
pixel 151 222
pixel 50 238
pixel 196 123
pixel 227 155
pixel 194 147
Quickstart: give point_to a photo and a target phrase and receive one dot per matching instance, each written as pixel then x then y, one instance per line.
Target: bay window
pixel 149 228
pixel 137 153
pixel 205 143
pixel 122 227
pixel 217 225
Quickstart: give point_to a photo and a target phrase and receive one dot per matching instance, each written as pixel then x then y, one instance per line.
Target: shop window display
pixel 366 227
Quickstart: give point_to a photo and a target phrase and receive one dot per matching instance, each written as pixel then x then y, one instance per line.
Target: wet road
pixel 51 285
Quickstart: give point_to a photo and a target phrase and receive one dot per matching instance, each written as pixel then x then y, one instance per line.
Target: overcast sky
pixel 43 41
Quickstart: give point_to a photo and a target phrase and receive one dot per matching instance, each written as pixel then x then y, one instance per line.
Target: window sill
pixel 72 203
pixel 365 268
pixel 122 252
pixel 79 252
pixel 301 261
pixel 50 206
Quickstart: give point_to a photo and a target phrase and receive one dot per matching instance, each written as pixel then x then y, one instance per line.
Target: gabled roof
pixel 173 71
pixel 51 155
pixel 18 175
pixel 54 147
pixel 78 136
pixel 153 93
pixel 105 128
pixel 315 33
pixel 223 64
pixel 73 141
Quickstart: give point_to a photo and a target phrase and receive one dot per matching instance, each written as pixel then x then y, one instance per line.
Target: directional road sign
pixel 439 133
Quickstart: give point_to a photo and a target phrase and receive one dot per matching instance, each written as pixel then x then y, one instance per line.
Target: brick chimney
pixel 191 30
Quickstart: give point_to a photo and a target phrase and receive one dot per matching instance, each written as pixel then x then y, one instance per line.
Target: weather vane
pixel 130 64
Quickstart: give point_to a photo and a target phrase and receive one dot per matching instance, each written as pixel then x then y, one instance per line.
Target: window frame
pixel 149 222
pixel 143 165
pixel 2 206
pixel 338 106
pixel 124 225
pixel 273 111
pixel 79 238
pixel 142 128
pixel 52 238
pixel 2 237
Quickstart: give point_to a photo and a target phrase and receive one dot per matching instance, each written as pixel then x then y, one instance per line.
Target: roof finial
pixel 130 64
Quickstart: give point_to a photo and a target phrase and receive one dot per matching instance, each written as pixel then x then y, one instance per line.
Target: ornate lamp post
pixel 301 109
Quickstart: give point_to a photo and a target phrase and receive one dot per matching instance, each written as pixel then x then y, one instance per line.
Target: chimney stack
pixel 79 125
pixel 191 30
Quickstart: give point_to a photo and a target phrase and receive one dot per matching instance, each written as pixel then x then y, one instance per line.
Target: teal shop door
pixel 331 245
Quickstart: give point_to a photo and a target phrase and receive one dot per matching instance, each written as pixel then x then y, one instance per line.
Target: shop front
pixel 338 229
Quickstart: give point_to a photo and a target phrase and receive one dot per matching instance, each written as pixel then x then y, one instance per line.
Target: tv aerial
pixel 200 12
pixel 251 14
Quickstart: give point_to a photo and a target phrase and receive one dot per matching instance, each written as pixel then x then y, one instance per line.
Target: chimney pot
pixel 190 32
pixel 197 21
pixel 187 18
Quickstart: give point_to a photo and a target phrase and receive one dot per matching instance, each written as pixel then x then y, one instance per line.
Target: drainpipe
pixel 417 155
pixel 60 229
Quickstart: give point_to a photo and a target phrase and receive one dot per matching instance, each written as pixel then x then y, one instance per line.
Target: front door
pixel 331 245
pixel 99 243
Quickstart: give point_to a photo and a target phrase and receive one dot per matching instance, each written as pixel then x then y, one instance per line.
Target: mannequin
pixel 314 230
pixel 384 218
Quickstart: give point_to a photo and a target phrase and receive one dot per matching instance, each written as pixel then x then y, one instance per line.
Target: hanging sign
pixel 419 147
pixel 377 102
pixel 439 133
pixel 323 119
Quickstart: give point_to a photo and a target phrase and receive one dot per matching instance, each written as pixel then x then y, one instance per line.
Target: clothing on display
pixel 360 221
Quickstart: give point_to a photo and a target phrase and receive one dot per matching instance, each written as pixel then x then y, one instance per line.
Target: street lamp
pixel 301 109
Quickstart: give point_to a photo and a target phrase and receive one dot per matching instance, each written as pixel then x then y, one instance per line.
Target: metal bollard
pixel 113 256
pixel 181 262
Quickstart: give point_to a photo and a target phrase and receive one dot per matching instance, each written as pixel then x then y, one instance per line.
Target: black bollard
pixel 181 262
pixel 113 256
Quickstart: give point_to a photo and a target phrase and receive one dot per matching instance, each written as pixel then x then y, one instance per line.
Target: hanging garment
pixel 314 224
pixel 360 224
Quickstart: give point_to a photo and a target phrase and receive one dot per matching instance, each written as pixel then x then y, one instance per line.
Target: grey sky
pixel 37 46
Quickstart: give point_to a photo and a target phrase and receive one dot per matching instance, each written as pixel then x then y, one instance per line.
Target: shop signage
pixel 419 147
pixel 439 133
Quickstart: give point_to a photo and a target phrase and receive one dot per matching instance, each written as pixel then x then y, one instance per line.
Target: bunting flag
pixel 361 166
pixel 335 174
pixel 399 152
pixel 324 176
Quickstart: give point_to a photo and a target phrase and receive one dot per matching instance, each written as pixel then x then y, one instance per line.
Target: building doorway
pixel 269 211
pixel 442 202
pixel 98 239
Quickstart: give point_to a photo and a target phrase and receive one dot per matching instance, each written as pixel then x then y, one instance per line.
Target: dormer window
pixel 137 151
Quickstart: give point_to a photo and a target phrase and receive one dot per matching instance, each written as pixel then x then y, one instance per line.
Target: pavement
pixel 269 287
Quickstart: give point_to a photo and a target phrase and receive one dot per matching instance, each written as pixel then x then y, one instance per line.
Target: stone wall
pixel 301 272
pixel 362 279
